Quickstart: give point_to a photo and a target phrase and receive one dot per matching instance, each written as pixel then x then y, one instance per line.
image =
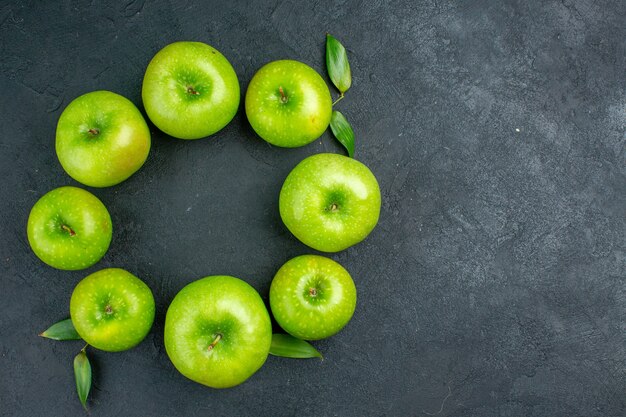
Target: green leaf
pixel 63 330
pixel 337 64
pixel 342 131
pixel 288 346
pixel 82 372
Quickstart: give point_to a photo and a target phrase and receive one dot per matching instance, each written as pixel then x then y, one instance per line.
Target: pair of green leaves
pixel 64 330
pixel 339 72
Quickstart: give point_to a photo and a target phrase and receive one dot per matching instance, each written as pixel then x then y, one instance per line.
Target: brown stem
pixel 68 230
pixel 217 339
pixel 93 131
pixel 283 97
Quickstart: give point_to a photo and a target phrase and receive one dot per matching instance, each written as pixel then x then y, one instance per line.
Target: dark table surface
pixel 494 284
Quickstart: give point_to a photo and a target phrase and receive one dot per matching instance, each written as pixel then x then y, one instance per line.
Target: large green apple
pixel 112 309
pixel 102 139
pixel 312 297
pixel 69 228
pixel 330 202
pixel 190 90
pixel 218 331
pixel 288 104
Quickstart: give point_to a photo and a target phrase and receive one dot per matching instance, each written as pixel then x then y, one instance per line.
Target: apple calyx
pixel 283 96
pixel 192 91
pixel 108 309
pixel 218 337
pixel 68 230
pixel 313 292
pixel 94 131
pixel 333 207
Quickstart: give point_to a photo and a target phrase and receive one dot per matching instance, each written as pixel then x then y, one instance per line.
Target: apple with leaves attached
pixel 111 310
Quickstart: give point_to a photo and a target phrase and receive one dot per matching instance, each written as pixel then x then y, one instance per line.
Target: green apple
pixel 312 297
pixel 102 139
pixel 190 90
pixel 69 228
pixel 218 331
pixel 330 202
pixel 112 309
pixel 288 104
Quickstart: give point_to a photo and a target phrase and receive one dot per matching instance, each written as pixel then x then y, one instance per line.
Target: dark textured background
pixel 494 284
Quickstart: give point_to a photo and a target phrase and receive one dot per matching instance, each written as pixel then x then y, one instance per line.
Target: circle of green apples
pixel 218 330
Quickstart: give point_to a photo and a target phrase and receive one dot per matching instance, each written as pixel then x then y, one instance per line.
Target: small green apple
pixel 312 297
pixel 190 90
pixel 218 331
pixel 330 202
pixel 288 104
pixel 112 309
pixel 102 139
pixel 69 228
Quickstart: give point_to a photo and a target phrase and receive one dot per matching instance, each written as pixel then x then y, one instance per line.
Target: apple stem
pixel 191 90
pixel 338 99
pixel 68 230
pixel 333 207
pixel 283 97
pixel 93 131
pixel 217 339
